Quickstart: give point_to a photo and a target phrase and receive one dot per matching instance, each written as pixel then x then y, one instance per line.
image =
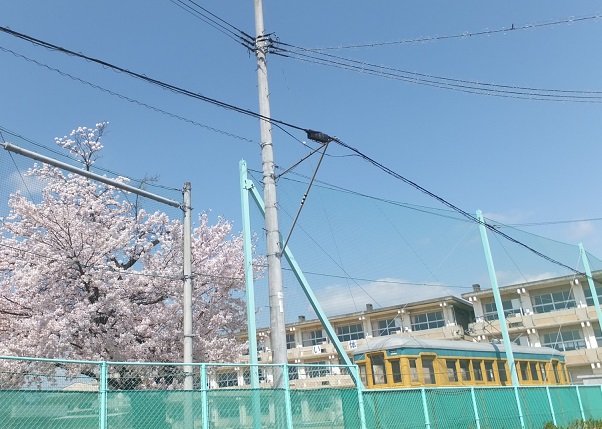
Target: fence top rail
pixel 564 386
pixel 195 364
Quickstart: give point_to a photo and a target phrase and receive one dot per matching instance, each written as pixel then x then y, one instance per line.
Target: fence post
pixel 520 408
pixel 427 420
pixel 359 388
pixel 204 400
pixel 477 419
pixel 287 396
pixel 580 403
pixel 102 412
pixel 551 406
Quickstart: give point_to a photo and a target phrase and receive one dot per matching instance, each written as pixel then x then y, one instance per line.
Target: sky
pixel 520 161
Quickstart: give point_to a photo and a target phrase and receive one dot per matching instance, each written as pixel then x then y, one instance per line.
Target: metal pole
pixel 204 400
pixel 425 409
pixel 592 286
pixel 276 299
pixel 103 395
pixel 498 301
pixel 475 409
pixel 551 406
pixel 67 167
pixel 288 254
pixel 245 185
pixel 187 308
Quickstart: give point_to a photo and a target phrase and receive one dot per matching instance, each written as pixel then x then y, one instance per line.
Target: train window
pixel 534 373
pixel 489 370
pixel 452 373
pixel 501 368
pixel 396 370
pixel 542 369
pixel 522 368
pixel 476 368
pixel 465 370
pixel 428 370
pixel 378 369
pixel 555 369
pixel 413 370
pixel 362 369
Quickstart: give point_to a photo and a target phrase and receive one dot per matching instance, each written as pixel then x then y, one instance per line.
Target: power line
pixel 466 34
pixel 446 203
pixel 156 82
pixel 128 99
pixel 443 82
pixel 216 22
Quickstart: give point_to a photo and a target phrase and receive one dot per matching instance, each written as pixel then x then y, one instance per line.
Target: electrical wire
pixel 466 34
pixel 216 22
pixel 462 85
pixel 156 82
pixel 128 99
pixel 454 207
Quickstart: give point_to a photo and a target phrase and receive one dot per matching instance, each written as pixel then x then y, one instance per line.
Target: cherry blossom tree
pixel 85 274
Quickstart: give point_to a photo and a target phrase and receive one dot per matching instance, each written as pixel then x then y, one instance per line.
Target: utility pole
pixel 274 254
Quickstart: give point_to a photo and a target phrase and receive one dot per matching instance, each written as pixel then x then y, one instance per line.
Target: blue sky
pixel 520 161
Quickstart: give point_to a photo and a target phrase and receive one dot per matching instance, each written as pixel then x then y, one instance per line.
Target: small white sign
pixel 317 349
pixel 352 344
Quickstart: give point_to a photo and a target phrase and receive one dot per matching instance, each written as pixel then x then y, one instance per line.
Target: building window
pixel 490 310
pixel 553 301
pixel 385 327
pixel 313 338
pixel 293 373
pixel 564 341
pixel 246 375
pixel 597 333
pixel 227 379
pixel 290 341
pixel 318 371
pixel 427 321
pixel 350 332
pixel 588 295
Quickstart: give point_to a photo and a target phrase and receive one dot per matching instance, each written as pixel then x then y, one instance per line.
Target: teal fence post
pixel 204 399
pixel 580 403
pixel 287 396
pixel 245 187
pixel 102 411
pixel 520 408
pixel 427 420
pixel 477 419
pixel 360 396
pixel 551 406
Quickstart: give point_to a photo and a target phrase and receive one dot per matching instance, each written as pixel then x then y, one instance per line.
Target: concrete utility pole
pixel 277 326
pixel 187 299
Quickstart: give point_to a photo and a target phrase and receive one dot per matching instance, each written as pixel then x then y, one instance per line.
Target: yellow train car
pixel 396 362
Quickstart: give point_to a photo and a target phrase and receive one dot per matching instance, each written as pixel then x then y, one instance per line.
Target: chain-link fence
pixel 38 393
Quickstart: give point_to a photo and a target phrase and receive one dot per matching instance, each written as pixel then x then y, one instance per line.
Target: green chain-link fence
pixel 52 394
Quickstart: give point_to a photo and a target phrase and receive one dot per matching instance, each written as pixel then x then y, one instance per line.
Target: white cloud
pixel 341 299
pixel 580 230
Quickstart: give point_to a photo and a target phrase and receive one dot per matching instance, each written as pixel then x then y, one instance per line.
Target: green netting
pixel 333 408
pixel 48 409
pixel 450 408
pixel 394 409
pixel 57 394
pixel 591 399
pixel 497 408
pixel 566 405
pixel 535 406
